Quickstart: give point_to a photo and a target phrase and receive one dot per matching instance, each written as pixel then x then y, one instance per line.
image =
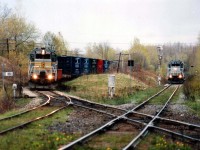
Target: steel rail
pixel 166 131
pixel 179 122
pixel 36 119
pixel 110 123
pixel 194 140
pixel 137 139
pixel 142 123
pixel 33 120
pixel 74 98
pixel 100 111
pixel 134 112
pixel 21 113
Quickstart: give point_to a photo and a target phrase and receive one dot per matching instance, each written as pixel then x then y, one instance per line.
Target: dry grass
pixel 96 86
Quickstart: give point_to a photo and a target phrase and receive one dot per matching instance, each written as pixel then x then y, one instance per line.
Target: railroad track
pixel 141 121
pixel 134 120
pixel 14 122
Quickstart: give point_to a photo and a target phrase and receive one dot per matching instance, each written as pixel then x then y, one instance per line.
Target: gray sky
pixel 117 22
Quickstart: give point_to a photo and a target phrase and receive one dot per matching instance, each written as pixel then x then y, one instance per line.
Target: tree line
pixel 18 37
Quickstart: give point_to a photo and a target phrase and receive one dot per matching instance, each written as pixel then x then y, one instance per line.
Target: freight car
pixel 42 68
pixel 175 71
pixel 76 66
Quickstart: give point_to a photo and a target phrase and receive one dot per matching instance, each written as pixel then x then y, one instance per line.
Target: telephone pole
pixel 120 55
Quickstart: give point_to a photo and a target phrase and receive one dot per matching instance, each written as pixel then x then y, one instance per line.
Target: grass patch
pixel 163 97
pixel 108 141
pixel 22 102
pixel 136 97
pixel 95 88
pixel 19 103
pixel 176 97
pixel 37 136
pixel 160 142
pixel 25 117
pixel 194 105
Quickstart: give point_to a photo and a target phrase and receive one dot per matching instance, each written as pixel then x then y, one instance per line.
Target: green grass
pixel 176 97
pixel 155 141
pixel 194 105
pixel 38 136
pixel 19 103
pixel 95 88
pixel 25 117
pixel 136 97
pixel 108 141
pixel 163 97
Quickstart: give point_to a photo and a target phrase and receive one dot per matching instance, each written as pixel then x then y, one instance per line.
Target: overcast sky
pixel 117 22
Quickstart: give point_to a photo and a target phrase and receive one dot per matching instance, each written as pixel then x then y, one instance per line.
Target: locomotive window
pixel 175 64
pixel 32 57
pixel 40 56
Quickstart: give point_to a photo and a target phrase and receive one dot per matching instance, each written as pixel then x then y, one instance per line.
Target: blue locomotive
pixel 175 71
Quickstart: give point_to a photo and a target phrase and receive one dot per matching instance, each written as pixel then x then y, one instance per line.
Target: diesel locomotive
pixel 175 71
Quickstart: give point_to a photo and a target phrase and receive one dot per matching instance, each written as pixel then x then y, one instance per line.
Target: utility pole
pixel 131 64
pixel 160 55
pixel 120 55
pixel 2 75
pixel 7 43
pixel 119 62
pixel 3 79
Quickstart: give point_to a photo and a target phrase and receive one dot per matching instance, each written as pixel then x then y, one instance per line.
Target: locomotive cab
pixel 42 66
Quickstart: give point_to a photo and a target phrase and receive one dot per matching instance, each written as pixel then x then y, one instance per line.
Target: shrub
pixel 6 101
pixel 191 87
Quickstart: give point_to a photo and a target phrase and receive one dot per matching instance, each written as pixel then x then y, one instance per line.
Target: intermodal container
pixel 99 66
pixel 106 64
pixel 93 66
pixel 59 74
pixel 76 66
pixel 65 63
pixel 86 65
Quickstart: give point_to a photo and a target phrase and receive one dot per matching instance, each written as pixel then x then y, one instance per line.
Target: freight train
pixel 175 72
pixel 46 68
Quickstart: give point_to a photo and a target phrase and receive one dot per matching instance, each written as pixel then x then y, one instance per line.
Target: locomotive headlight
pixel 170 76
pixel 50 77
pixel 175 68
pixel 180 76
pixel 35 76
pixel 43 52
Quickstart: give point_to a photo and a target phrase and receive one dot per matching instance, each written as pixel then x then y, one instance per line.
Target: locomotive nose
pixel 42 74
